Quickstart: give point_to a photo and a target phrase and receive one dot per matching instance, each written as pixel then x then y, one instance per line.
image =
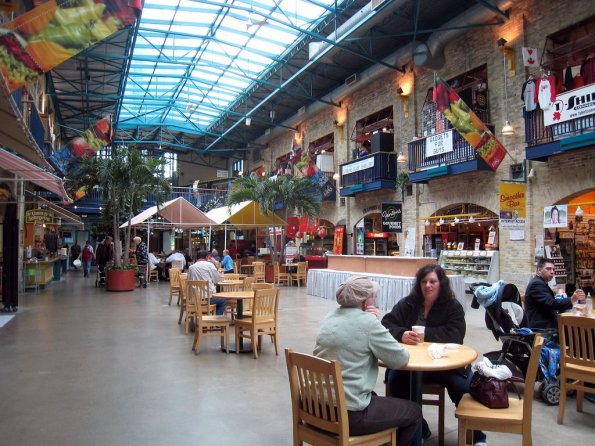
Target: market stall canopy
pixel 27 171
pixel 178 212
pixel 244 213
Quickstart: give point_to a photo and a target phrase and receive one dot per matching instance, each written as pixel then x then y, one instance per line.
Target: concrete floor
pixel 80 366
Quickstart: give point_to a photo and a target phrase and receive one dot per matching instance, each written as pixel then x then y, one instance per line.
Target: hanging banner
pixel 466 122
pixel 555 216
pixel 338 237
pixel 513 203
pixel 308 168
pixel 571 105
pixel 438 144
pixel 44 37
pixel 530 57
pixel 392 217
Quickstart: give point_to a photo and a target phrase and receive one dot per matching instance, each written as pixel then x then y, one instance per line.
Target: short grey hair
pixel 137 239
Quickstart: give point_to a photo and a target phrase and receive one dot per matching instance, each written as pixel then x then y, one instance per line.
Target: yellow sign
pixel 39 216
pixel 513 205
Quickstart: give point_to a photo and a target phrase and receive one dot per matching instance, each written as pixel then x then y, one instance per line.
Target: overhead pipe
pixel 435 51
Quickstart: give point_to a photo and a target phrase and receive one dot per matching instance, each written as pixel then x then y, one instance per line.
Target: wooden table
pixel 420 361
pixel 238 297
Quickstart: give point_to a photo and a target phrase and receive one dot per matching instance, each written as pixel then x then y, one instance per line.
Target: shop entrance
pixel 371 241
pixel 464 226
pixel 569 235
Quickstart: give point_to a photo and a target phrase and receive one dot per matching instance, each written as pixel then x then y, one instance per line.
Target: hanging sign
pixel 513 201
pixel 338 237
pixel 392 217
pixel 466 122
pixel 530 58
pixel 364 164
pixel 439 143
pixel 571 105
pixel 39 216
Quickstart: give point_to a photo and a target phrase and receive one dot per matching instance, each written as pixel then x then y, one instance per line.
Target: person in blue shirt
pixel 227 262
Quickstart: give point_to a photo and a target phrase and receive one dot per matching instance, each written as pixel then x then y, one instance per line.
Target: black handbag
pixel 491 392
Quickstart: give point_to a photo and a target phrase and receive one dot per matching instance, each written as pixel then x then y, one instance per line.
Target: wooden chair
pixel 198 308
pixel 154 274
pixel 178 264
pixel 577 358
pixel 258 271
pixel 262 321
pixel 248 281
pixel 300 274
pixel 231 276
pixel 516 419
pixel 237 266
pixel 318 404
pixel 432 390
pixel 182 297
pixel 280 276
pixel 174 284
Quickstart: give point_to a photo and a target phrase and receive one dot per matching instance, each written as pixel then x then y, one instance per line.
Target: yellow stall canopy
pixel 245 213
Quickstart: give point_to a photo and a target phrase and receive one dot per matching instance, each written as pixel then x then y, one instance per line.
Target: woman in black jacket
pixel 432 304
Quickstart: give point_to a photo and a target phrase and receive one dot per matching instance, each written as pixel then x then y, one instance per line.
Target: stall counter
pixel 316 262
pixel 393 265
pixel 40 273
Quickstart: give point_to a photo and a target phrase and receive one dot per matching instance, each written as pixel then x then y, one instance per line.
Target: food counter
pixel 39 273
pixel 316 262
pixel 393 265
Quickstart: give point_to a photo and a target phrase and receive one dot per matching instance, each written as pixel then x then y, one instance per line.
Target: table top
pixel 235 294
pixel 230 282
pixel 421 361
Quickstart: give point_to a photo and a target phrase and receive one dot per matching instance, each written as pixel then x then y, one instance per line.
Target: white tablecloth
pixel 324 283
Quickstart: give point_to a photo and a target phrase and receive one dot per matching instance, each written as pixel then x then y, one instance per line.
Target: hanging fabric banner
pixel 309 169
pixel 44 37
pixel 513 204
pixel 466 122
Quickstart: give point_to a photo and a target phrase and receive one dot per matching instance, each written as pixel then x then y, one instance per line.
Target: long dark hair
pixel 446 292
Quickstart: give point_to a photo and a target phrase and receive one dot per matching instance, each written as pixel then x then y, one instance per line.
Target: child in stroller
pixel 505 317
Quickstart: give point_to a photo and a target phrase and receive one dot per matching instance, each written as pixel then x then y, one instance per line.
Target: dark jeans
pixel 384 413
pixel 456 384
pixel 220 305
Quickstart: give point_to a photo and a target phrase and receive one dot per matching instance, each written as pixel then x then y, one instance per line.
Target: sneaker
pixel 480 443
pixel 145 285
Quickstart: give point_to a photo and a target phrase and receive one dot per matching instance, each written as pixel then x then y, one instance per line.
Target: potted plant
pixel 124 179
pixel 291 193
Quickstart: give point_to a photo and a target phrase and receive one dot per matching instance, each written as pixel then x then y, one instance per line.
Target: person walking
pixel 87 256
pixel 142 259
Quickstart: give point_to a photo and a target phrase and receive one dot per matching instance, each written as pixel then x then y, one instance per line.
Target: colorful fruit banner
pixel 513 204
pixel 88 144
pixel 466 122
pixel 44 37
pixel 309 169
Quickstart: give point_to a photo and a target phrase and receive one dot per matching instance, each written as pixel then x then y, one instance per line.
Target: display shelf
pixel 584 242
pixel 554 254
pixel 476 266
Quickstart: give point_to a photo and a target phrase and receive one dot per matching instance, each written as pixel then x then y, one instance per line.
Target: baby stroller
pixel 505 317
pixel 100 278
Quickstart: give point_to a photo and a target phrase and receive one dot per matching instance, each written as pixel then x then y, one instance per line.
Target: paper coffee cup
pixel 421 331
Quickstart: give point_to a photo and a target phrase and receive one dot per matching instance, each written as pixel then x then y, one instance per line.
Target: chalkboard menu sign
pixel 392 217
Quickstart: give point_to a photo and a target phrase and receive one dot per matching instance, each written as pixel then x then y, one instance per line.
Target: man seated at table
pixel 431 303
pixel 154 264
pixel 202 269
pixel 227 262
pixel 178 257
pixel 353 335
pixel 541 304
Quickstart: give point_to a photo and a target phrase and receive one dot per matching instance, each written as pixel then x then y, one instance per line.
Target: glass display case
pixel 476 266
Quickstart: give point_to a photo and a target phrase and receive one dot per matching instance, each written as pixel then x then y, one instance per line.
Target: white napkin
pixel 437 351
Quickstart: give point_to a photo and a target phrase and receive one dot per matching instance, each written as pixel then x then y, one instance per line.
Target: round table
pixel 238 297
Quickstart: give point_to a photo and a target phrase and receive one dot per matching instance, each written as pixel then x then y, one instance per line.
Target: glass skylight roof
pixel 192 59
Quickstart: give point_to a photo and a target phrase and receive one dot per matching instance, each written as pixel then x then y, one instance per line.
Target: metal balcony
pixel 463 158
pixel 373 172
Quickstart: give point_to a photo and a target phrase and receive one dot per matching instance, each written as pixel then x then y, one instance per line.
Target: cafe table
pixel 420 361
pixel 238 297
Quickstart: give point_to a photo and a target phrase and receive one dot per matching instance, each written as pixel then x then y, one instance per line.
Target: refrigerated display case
pixel 376 244
pixel 476 266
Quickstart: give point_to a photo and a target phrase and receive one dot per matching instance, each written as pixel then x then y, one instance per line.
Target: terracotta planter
pixel 120 280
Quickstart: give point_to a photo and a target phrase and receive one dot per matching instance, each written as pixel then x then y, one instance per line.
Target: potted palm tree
pixel 124 179
pixel 293 194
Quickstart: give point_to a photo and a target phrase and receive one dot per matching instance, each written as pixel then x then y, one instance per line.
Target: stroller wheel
pixel 550 393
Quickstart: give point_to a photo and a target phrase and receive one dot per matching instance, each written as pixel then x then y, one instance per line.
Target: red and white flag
pixel 530 57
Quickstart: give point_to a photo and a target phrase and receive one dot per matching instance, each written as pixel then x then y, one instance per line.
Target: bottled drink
pixel 589 301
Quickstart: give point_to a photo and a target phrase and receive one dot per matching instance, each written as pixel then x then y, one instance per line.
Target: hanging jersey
pixel 545 92
pixel 528 95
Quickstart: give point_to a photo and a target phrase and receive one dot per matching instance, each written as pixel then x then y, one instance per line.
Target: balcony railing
pixel 536 132
pixel 372 172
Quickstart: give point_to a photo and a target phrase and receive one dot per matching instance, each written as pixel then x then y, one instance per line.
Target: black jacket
pixel 445 322
pixel 541 306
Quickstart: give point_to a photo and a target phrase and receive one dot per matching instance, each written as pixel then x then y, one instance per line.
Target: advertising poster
pixel 309 169
pixel 392 217
pixel 513 200
pixel 555 216
pixel 571 105
pixel 466 122
pixel 44 37
pixel 339 236
pixel 359 238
